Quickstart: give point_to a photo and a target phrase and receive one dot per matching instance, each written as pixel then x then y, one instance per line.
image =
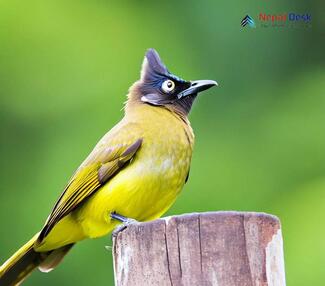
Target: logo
pixel 248 20
pixel 284 20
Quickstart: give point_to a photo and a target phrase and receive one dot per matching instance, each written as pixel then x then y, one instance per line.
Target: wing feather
pixel 88 178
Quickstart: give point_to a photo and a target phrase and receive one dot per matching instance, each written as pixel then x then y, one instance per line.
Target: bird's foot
pixel 125 223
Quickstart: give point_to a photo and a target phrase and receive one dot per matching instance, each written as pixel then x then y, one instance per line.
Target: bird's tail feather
pixel 20 264
pixel 26 259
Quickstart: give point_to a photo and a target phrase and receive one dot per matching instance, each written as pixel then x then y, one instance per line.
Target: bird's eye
pixel 168 86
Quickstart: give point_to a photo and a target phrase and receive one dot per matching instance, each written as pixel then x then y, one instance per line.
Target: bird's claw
pixel 123 226
pixel 125 223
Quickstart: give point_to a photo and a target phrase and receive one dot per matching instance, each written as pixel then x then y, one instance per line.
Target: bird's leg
pixel 124 220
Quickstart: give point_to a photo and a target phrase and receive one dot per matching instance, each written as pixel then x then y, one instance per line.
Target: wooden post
pixel 214 248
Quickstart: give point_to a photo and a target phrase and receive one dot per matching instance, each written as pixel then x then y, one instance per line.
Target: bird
pixel 134 173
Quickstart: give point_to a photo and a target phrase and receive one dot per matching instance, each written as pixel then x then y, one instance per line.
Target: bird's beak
pixel 197 86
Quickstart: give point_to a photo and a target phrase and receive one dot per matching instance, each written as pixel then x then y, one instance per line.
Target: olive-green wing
pixel 103 164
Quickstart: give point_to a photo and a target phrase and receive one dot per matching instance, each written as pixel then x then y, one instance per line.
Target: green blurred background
pixel 65 67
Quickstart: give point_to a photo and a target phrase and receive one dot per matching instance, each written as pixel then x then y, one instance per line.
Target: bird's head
pixel 159 87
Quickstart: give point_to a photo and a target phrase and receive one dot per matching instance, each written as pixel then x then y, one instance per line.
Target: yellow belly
pixel 144 190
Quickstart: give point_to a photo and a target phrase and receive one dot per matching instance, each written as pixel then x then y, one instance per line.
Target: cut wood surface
pixel 214 248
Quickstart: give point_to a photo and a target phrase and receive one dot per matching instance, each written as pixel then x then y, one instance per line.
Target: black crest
pixel 152 66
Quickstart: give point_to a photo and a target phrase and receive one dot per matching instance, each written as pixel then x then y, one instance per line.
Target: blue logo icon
pixel 248 21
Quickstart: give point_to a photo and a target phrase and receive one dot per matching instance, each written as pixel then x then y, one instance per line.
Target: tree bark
pixel 214 248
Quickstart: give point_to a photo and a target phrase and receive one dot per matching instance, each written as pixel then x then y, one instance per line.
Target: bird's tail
pixel 20 265
pixel 26 259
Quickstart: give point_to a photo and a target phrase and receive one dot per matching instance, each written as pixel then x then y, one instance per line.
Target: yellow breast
pixel 146 188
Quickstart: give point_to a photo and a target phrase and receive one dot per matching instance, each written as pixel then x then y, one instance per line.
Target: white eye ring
pixel 168 86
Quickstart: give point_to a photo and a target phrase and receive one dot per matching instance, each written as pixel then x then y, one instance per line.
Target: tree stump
pixel 214 248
